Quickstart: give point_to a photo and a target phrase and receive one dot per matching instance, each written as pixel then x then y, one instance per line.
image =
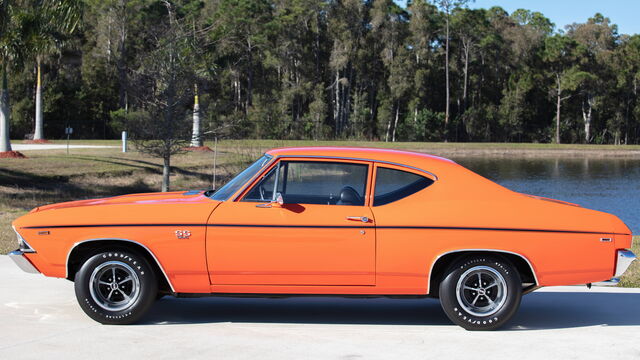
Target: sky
pixel 624 13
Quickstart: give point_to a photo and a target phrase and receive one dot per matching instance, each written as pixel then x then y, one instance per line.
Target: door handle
pixel 358 218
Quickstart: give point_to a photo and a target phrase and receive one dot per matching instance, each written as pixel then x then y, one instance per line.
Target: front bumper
pixel 23 263
pixel 624 259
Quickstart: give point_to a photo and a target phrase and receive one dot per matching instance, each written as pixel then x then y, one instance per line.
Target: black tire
pixel 120 299
pixel 485 306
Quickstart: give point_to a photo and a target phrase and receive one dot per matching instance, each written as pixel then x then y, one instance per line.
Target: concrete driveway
pixel 39 319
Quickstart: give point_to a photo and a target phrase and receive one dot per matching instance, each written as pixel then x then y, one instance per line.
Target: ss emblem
pixel 183 234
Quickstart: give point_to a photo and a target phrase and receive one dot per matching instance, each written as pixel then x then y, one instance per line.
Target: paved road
pixel 39 319
pixel 23 147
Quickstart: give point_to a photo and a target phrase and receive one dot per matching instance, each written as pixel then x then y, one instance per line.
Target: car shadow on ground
pixel 541 310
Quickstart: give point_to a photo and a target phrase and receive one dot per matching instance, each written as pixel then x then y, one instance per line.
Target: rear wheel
pixel 116 287
pixel 481 292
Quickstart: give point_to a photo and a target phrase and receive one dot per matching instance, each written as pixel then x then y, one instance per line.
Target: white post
pixel 124 141
pixel 196 137
pixel 68 131
pixel 39 131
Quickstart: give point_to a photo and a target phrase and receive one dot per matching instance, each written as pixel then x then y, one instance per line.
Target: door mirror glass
pixel 279 199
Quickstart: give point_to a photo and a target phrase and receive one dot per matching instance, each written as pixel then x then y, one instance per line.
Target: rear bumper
pixel 624 259
pixel 23 263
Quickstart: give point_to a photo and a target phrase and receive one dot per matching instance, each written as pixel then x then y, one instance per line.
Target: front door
pixel 323 234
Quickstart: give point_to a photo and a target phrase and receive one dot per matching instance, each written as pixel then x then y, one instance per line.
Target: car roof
pixel 402 157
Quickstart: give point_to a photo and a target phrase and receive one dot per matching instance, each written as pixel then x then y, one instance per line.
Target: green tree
pixel 9 51
pixel 242 30
pixel 447 6
pixel 390 27
pixel 47 26
pixel 598 36
pixel 560 55
pixel 164 89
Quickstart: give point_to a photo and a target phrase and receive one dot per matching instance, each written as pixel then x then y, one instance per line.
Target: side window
pixel 309 182
pixel 393 185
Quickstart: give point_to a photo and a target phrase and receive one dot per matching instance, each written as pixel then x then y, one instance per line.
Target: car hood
pixel 175 197
pixel 191 207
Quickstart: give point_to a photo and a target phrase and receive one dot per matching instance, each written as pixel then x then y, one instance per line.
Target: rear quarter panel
pixel 463 210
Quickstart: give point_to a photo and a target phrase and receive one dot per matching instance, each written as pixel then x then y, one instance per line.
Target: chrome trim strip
pixel 535 277
pixel 22 262
pixel 611 282
pixel 236 195
pixel 322 227
pixel 624 259
pixel 22 243
pixel 358 159
pixel 117 239
pixel 275 183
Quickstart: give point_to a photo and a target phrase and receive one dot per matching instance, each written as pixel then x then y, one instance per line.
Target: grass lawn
pixel 53 176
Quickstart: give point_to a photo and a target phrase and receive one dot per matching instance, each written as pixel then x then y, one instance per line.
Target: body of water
pixel 610 185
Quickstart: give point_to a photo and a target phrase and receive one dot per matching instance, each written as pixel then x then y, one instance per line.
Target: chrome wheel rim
pixel 481 291
pixel 114 286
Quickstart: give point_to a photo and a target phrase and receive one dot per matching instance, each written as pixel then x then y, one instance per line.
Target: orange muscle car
pixel 326 220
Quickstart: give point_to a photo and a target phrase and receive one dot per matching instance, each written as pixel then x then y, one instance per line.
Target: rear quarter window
pixel 393 185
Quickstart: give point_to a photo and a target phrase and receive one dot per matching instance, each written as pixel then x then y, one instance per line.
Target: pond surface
pixel 610 185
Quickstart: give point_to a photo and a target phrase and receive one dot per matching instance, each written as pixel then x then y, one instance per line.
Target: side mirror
pixel 278 202
pixel 279 199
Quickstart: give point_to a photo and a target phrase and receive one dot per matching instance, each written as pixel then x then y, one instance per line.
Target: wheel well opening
pixel 444 262
pixel 84 251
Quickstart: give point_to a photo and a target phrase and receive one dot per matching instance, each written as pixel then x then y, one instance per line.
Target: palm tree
pixel 9 52
pixel 48 25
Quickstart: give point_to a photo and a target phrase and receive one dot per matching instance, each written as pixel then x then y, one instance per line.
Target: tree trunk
pixel 196 138
pixel 237 94
pixel 39 131
pixel 388 133
pixel 166 171
pixel 558 99
pixel 466 48
pixel 123 101
pixel 250 78
pixel 587 106
pixel 395 123
pixel 446 71
pixel 346 108
pixel 5 142
pixel 336 107
pixel 386 136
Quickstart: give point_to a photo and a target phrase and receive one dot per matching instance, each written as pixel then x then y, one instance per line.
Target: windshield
pixel 232 186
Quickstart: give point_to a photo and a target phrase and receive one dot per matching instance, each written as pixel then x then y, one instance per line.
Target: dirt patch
pixel 198 148
pixel 12 155
pixel 41 141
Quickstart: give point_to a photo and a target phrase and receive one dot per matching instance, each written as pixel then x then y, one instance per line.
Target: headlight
pixel 22 243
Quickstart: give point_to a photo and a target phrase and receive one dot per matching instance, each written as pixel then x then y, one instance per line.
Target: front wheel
pixel 481 292
pixel 116 287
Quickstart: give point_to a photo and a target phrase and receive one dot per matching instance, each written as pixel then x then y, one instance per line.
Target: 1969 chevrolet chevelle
pixel 326 220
